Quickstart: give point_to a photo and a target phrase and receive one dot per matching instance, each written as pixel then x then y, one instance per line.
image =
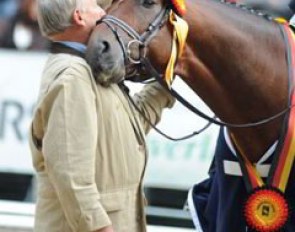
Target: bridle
pixel 141 41
pixel 142 63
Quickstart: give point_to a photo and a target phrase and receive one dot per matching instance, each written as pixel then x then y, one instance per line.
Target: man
pixel 87 140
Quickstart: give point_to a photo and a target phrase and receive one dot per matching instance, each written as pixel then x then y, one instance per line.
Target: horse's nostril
pixel 105 47
pixel 102 47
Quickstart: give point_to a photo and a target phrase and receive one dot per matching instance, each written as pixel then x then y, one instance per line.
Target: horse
pixel 234 59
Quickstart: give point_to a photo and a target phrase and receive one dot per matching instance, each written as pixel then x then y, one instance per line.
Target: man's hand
pixel 106 229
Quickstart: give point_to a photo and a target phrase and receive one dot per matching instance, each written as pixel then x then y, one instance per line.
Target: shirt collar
pixel 75 45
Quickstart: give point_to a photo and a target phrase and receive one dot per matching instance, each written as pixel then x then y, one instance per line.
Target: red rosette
pixel 179 6
pixel 266 210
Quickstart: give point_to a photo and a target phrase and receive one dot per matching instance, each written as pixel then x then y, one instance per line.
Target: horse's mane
pixel 245 17
pixel 249 9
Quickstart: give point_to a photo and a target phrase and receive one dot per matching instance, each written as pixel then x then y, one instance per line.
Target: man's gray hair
pixel 55 16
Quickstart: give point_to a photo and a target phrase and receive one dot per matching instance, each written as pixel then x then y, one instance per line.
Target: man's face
pixel 91 13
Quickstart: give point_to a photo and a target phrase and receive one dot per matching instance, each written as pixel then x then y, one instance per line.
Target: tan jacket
pixel 91 163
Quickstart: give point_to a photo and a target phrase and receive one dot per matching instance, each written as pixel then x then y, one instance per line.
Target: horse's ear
pixel 178 6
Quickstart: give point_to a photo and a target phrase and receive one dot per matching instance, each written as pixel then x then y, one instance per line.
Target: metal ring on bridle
pixel 141 48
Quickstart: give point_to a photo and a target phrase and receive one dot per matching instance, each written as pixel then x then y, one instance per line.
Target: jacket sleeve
pixel 151 100
pixel 69 148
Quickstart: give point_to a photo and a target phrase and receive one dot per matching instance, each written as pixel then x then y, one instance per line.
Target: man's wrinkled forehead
pixel 104 3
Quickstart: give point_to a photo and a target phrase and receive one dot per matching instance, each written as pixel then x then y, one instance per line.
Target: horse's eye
pixel 148 3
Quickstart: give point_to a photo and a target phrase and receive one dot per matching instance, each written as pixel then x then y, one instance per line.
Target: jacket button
pixel 138 218
pixel 140 148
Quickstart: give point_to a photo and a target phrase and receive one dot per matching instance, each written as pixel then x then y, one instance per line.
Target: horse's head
pixel 132 30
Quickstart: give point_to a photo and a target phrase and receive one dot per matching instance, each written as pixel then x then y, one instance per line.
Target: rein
pixel 125 90
pixel 213 120
pixel 142 41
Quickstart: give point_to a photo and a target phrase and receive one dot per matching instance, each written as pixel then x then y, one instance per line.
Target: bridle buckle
pixel 142 51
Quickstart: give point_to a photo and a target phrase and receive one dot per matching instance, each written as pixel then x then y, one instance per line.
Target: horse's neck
pixel 236 63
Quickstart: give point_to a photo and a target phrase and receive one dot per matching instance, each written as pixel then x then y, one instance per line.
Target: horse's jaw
pixel 108 77
pixel 106 70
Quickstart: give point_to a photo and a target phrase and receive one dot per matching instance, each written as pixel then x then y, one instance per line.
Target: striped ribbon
pixel 180 32
pixel 285 160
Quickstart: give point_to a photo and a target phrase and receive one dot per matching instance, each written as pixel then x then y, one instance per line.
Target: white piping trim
pixel 193 211
pixel 292 21
pixel 228 142
pixel 266 155
pixel 233 168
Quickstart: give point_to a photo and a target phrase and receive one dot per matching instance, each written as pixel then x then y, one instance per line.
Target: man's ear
pixel 78 18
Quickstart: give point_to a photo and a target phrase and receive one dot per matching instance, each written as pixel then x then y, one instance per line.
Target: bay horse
pixel 234 59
